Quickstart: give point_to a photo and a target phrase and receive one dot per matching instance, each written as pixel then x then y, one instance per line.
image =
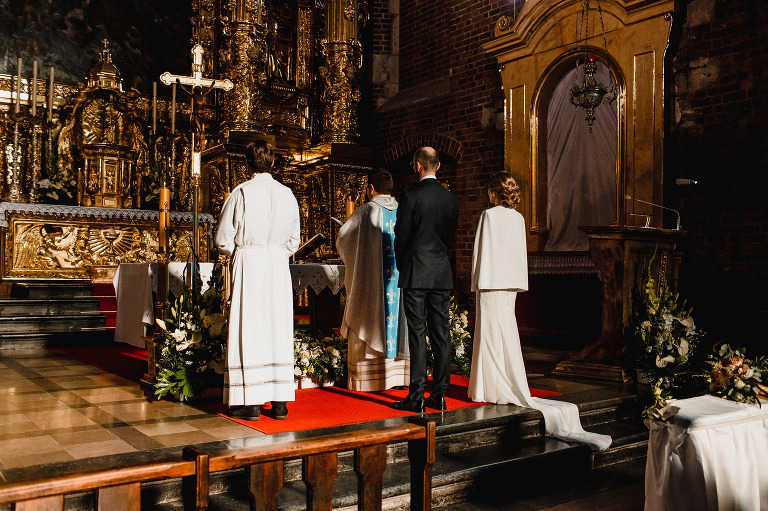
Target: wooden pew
pixel 264 466
pixel 117 489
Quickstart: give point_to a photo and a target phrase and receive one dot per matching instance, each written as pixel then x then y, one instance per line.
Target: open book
pixel 307 248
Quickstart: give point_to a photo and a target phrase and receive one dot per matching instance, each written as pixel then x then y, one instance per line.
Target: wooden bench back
pixel 119 489
pixel 264 466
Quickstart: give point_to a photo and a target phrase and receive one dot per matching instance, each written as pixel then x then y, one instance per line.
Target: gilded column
pixel 343 57
pixel 242 57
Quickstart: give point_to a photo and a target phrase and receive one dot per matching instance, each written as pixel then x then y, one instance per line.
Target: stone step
pixel 34 341
pixel 475 447
pixel 47 324
pixel 51 290
pixel 39 307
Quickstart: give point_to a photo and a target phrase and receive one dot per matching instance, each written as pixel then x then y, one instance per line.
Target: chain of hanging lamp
pixel 590 93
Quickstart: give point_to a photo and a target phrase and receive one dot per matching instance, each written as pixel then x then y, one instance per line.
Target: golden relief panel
pixel 51 248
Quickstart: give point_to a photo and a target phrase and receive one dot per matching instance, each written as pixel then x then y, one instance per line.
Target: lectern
pixel 620 254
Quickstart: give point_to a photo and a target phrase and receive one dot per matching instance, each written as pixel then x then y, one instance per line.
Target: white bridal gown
pixel 499 271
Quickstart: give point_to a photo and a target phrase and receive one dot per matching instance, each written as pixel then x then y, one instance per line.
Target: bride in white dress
pixel 499 271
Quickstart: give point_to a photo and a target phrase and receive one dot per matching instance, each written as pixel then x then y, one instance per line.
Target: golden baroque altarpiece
pixel 83 164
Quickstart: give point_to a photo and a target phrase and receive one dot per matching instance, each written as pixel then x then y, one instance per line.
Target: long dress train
pixel 498 371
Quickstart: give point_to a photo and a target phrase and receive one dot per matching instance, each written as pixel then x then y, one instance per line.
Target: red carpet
pixel 119 358
pixel 333 406
pixel 313 408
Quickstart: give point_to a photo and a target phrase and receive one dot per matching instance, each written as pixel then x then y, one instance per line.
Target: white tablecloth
pixel 135 282
pixel 317 276
pixel 134 285
pixel 713 455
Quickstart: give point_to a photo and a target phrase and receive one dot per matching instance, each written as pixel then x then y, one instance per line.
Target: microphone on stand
pixel 629 197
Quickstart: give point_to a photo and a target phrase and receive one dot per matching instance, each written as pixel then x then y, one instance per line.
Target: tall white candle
pixel 154 107
pixel 33 92
pixel 18 85
pixel 173 107
pixel 50 97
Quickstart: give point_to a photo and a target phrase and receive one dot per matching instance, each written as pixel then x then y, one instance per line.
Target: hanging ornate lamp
pixel 589 93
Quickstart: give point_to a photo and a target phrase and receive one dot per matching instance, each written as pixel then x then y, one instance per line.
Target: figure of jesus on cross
pixel 197 87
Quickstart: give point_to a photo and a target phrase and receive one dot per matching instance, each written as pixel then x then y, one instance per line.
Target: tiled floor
pixel 55 409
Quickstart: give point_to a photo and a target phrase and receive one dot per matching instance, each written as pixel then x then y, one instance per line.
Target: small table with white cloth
pixel 135 282
pixel 712 455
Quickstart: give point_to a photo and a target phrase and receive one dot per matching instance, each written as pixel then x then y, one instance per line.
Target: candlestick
pixel 50 97
pixel 162 236
pixel 18 86
pixel 350 206
pixel 33 92
pixel 173 107
pixel 154 107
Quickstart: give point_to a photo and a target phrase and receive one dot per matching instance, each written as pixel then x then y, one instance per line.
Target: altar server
pixel 499 272
pixel 259 225
pixel 374 322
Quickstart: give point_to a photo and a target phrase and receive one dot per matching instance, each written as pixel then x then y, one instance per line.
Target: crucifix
pixel 197 87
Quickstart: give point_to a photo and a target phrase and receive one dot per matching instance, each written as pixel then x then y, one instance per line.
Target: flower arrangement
pixel 461 341
pixel 733 376
pixel 59 186
pixel 193 340
pixel 321 358
pixel 661 339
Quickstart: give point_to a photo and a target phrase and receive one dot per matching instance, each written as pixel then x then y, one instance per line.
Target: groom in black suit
pixel 426 223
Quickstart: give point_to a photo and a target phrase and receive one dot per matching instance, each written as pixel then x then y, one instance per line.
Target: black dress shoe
pixel 410 404
pixel 436 401
pixel 246 413
pixel 279 410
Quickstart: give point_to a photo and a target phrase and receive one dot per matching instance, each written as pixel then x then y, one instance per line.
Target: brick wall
pixel 449 96
pixel 445 90
pixel 718 136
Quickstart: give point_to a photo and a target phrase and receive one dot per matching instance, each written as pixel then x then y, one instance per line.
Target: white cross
pixel 196 80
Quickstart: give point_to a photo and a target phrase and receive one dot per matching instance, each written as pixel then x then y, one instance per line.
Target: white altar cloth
pixel 134 284
pixel 713 455
pixel 317 276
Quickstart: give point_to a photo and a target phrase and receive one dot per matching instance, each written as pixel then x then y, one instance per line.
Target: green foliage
pixel 193 341
pixel 660 341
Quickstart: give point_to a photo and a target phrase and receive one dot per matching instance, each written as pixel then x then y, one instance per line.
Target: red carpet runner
pixel 313 408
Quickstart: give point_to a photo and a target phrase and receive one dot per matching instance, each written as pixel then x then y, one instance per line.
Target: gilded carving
pixel 341 94
pixel 40 246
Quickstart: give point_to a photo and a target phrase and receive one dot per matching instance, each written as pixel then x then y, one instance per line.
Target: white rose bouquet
pixel 194 337
pixel 660 340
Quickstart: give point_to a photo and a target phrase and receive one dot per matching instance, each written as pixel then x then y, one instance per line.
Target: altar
pixel 55 242
pixel 136 285
pixel 710 456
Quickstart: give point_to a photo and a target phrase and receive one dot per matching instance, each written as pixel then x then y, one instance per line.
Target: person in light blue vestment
pixel 377 337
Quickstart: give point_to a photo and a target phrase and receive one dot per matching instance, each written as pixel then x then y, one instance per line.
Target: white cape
pixel 499 270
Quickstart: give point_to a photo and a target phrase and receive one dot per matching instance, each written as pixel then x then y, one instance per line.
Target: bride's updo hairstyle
pixel 503 190
pixel 259 156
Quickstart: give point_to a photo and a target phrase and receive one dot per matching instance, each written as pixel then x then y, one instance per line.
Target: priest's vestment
pixel 374 322
pixel 259 223
pixel 499 271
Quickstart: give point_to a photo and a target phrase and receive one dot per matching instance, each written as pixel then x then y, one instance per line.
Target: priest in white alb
pixel 374 322
pixel 259 225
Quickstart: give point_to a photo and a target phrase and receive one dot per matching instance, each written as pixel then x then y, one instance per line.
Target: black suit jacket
pixel 427 215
